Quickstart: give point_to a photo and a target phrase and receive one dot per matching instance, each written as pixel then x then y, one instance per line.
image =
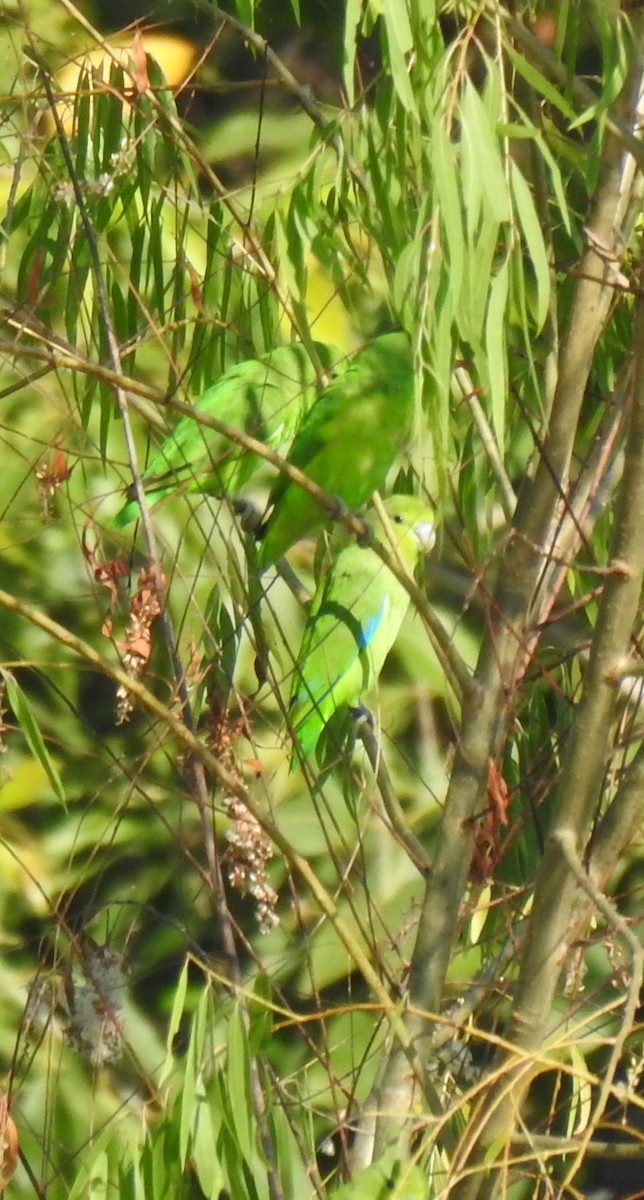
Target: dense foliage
pixel 411 968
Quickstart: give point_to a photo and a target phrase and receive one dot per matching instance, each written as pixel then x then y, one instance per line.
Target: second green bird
pixel 355 619
pixel 347 442
pixel 265 397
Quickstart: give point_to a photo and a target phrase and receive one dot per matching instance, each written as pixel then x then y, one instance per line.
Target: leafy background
pixel 423 165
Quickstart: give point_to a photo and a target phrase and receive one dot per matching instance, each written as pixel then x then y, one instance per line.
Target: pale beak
pixel 426 536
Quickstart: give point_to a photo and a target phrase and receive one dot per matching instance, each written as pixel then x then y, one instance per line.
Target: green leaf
pixel 193 1070
pixel 539 82
pixel 178 1005
pixel 238 1078
pixel 400 42
pixel 203 1151
pixel 260 1014
pixel 495 344
pixel 486 168
pixel 31 731
pixel 531 230
pixel 352 15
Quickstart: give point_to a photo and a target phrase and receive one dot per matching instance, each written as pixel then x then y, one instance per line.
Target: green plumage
pixel 355 618
pixel 347 442
pixel 265 397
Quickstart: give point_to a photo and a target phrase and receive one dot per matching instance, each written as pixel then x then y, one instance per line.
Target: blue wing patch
pixel 369 630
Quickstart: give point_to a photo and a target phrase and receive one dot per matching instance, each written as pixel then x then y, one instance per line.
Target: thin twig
pixel 391 804
pixel 301 93
pixel 488 440
pixel 231 784
pixel 199 788
pixel 565 839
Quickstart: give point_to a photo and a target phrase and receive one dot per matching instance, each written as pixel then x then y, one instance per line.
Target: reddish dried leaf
pixel 488 850
pixel 195 287
pixel 141 78
pixel 9 1144
pixel 498 794
pixel 33 277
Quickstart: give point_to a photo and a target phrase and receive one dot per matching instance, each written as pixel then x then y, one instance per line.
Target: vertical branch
pixel 530 546
pixel 555 892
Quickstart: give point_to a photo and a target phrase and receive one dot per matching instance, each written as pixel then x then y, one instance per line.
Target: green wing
pixel 347 442
pixel 265 397
pixel 387 1179
pixel 355 619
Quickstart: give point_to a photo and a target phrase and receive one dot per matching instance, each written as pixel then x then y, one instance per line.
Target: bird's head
pixel 411 524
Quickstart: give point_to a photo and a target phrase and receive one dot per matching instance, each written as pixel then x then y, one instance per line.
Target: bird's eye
pixel 398 519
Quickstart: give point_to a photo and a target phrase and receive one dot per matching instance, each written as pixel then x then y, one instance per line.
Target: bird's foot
pixel 248 513
pixel 336 507
pixel 361 715
pixel 367 537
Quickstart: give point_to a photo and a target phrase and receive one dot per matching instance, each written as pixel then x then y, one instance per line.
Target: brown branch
pixel 550 926
pixel 490 702
pixel 392 812
pixel 198 780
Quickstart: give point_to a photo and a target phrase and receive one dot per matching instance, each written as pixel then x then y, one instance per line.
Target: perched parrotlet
pixel 265 397
pixel 355 618
pixel 347 442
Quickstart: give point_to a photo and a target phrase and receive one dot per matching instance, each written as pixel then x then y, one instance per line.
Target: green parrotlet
pixel 347 442
pixel 355 618
pixel 265 397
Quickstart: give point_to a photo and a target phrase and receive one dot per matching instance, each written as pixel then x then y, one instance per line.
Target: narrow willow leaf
pixel 497 351
pixel 112 120
pixel 529 132
pixel 136 264
pixel 292 1171
pixel 405 285
pixel 120 313
pixel 178 1005
pixel 260 1014
pixel 246 12
pixel 479 134
pixel 79 272
pixel 438 408
pixel 471 184
pixel 145 156
pixel 531 230
pixel 444 162
pixel 128 1180
pixel 581 1100
pixel 32 734
pixel 92 1178
pixel 203 1152
pixel 192 1071
pixel 238 1079
pixel 88 80
pixel 155 250
pixel 400 42
pixel 540 83
pixel 615 58
pixel 471 312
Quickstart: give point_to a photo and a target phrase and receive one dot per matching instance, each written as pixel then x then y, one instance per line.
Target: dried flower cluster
pixel 86 1000
pixel 137 646
pixel 51 474
pixel 144 607
pixel 94 1026
pixel 249 850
